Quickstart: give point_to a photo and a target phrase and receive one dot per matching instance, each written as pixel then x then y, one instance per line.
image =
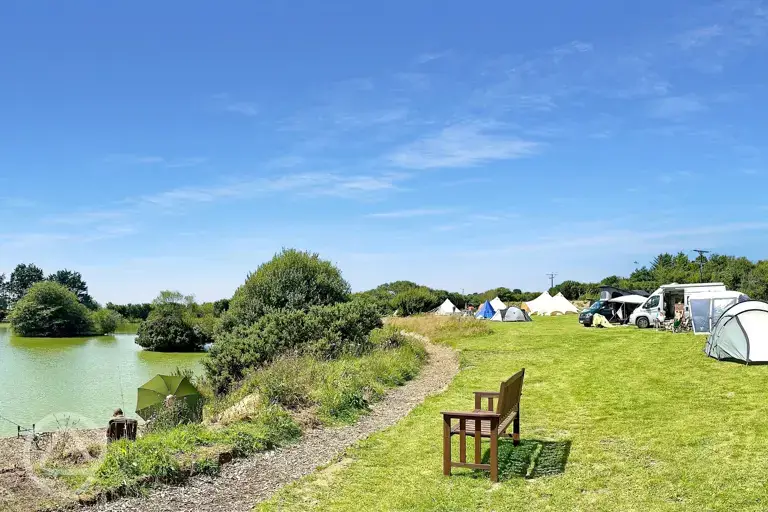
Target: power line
pixel 702 259
pixel 551 277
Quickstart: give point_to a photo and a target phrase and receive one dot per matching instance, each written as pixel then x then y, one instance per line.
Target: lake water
pixel 75 381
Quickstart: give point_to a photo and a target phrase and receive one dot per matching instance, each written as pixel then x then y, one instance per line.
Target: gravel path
pixel 246 482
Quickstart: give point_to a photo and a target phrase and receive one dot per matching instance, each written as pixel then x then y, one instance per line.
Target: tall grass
pixel 336 390
pixel 442 328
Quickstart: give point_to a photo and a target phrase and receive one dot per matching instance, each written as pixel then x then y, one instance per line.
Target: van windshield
pixel 652 302
pixel 595 307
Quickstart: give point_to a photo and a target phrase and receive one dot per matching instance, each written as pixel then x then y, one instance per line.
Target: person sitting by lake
pixel 121 427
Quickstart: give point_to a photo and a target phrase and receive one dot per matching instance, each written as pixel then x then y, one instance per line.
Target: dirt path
pixel 244 483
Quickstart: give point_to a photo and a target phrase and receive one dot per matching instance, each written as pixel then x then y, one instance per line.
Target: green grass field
pixel 612 419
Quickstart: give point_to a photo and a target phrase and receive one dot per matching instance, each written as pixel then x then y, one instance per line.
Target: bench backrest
pixel 509 399
pixel 122 428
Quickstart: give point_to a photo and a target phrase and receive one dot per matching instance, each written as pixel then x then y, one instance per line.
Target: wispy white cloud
pixel 17 203
pixel 28 240
pixel 227 103
pixel 311 184
pixel 413 81
pixel 423 58
pixel 358 119
pixel 628 238
pixel 170 163
pixel 675 107
pixel 243 107
pixel 462 145
pixel 407 214
pixel 677 176
pixel 697 37
pixel 85 217
pixel 453 227
pixel 571 48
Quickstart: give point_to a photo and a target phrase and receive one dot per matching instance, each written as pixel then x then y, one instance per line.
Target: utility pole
pixel 551 277
pixel 702 259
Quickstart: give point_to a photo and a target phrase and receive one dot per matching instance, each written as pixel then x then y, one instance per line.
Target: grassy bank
pixel 612 419
pixel 270 408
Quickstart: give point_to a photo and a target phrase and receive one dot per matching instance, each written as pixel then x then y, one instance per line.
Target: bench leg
pixel 478 442
pixel 494 455
pixel 447 446
pixel 516 430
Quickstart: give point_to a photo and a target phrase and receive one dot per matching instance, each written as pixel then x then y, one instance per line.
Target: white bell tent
pixel 563 305
pixel 446 308
pixel 498 304
pixel 541 305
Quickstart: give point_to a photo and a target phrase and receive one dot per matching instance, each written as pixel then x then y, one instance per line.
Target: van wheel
pixel 643 322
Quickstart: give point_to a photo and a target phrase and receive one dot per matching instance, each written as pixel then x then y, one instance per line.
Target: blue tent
pixel 485 311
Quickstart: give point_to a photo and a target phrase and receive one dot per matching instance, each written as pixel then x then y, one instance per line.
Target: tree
pixel 417 300
pixel 611 281
pixel 22 279
pixel 325 332
pixel 173 297
pixel 572 290
pixel 220 307
pixel 166 331
pixel 4 299
pixel 49 309
pixel 291 280
pixel 106 321
pixel 75 283
pixel 132 312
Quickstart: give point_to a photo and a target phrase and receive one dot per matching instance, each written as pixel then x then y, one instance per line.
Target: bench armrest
pixel 490 395
pixel 481 415
pixel 484 394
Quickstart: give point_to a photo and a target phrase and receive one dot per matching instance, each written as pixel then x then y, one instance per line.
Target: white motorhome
pixel 665 298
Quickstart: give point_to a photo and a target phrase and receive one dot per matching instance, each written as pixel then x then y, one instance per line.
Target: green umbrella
pixel 153 394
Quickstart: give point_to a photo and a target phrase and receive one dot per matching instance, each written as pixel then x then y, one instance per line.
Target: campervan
pixel 661 303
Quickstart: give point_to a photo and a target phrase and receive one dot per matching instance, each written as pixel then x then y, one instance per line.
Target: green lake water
pixel 75 381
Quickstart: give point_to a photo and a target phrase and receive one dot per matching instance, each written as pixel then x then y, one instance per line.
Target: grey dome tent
pixel 741 334
pixel 511 314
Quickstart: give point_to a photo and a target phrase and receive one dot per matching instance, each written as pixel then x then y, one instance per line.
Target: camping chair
pixel 122 428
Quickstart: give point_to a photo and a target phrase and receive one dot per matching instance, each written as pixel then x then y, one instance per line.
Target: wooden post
pixel 447 445
pixel 494 450
pixel 478 440
pixel 462 440
pixel 490 403
pixel 516 429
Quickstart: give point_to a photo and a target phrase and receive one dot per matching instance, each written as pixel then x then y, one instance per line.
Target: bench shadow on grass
pixel 532 458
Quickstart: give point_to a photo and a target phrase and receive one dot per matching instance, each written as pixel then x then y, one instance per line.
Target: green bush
pixel 323 331
pixel 167 331
pixel 416 300
pixel 105 321
pixel 292 280
pixel 48 309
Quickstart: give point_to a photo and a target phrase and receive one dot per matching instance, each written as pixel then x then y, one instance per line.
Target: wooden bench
pixel 122 428
pixel 484 423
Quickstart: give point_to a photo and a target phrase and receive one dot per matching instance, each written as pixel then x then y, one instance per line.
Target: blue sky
pixel 155 145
